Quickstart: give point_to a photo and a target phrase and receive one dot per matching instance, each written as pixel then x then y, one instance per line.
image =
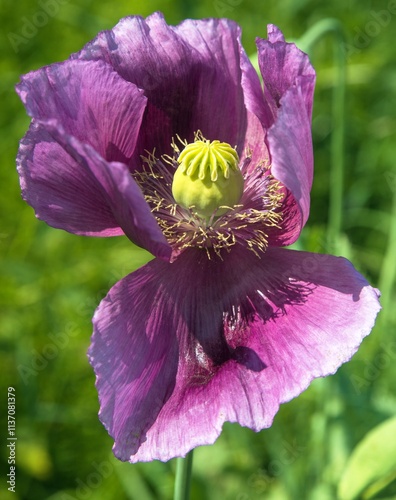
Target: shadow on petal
pixel 249 358
pixel 218 300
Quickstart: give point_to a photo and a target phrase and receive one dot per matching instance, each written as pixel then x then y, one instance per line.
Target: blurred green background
pixel 52 281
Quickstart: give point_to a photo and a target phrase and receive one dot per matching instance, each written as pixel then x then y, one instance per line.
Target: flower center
pixel 235 218
pixel 207 180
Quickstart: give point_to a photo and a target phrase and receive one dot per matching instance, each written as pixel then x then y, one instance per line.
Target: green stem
pixel 388 268
pixel 183 477
pixel 306 43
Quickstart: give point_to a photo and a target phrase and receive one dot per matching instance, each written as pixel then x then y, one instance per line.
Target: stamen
pixel 244 223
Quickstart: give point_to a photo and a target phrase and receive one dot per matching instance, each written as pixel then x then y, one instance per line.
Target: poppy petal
pixel 72 187
pixel 91 101
pixel 178 349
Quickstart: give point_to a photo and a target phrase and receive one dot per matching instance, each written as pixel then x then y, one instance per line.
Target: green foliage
pixel 372 465
pixel 52 281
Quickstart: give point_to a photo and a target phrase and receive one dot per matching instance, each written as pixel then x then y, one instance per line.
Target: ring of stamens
pixel 247 223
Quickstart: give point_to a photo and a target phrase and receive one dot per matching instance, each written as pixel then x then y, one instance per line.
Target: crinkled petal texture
pixel 136 87
pixel 178 349
pixel 73 160
pixel 82 193
pixel 198 77
pixel 91 101
pixel 289 81
pixel 190 73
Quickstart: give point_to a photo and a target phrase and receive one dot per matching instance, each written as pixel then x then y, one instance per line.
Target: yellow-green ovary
pixel 207 178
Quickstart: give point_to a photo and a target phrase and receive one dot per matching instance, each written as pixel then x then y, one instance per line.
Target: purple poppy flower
pixel 224 324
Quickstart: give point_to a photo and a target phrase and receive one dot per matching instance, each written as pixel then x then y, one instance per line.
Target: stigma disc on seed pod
pixel 208 179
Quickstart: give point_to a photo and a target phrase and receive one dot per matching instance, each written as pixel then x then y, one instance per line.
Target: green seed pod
pixel 208 179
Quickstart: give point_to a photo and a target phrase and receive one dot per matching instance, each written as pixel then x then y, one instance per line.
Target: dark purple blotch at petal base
pixel 175 361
